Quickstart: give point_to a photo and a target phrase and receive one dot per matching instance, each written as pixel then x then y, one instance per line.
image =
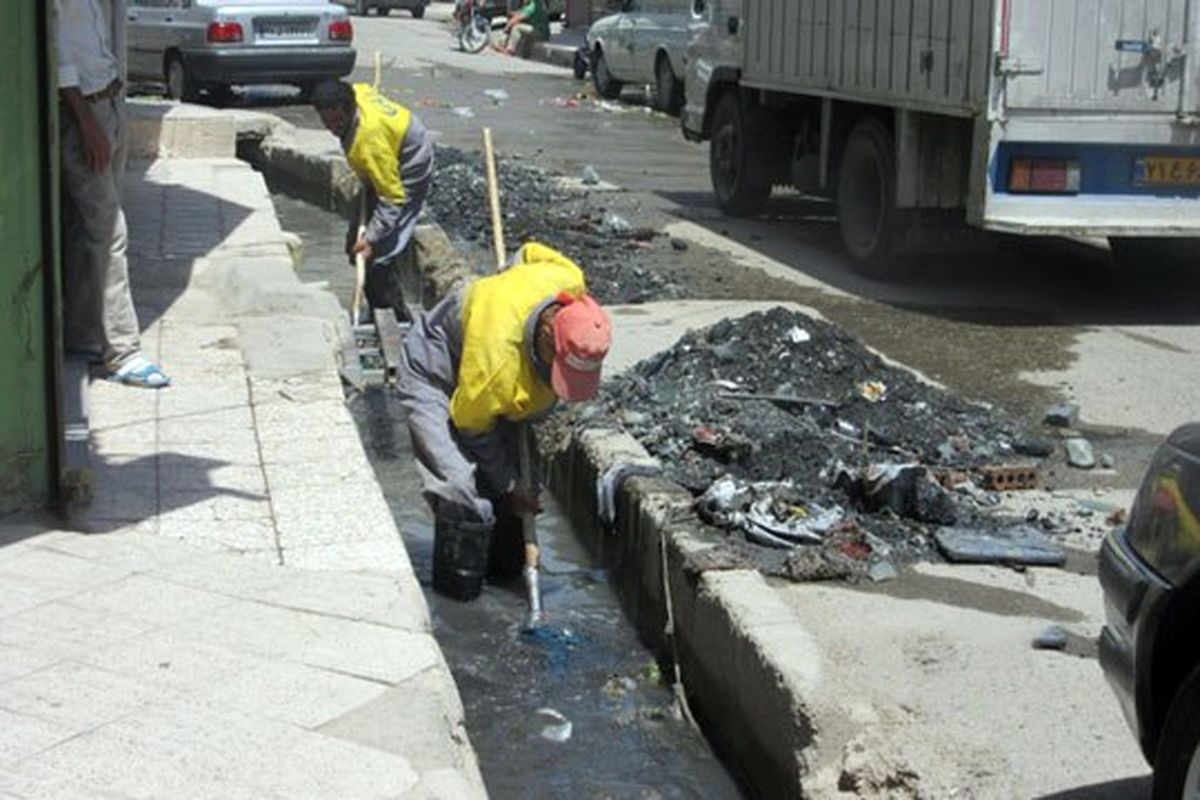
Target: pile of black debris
pixel 814 453
pixel 539 206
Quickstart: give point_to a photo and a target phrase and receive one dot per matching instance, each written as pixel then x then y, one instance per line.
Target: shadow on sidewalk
pixel 173 227
pixel 151 487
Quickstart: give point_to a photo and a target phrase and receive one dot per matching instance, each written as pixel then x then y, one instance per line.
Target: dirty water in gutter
pixel 614 731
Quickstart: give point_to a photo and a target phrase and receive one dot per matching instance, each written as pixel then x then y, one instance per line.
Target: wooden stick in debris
pixel 525 476
pixel 360 262
pixel 493 185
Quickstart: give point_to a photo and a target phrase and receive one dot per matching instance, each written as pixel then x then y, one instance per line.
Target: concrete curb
pixel 747 663
pixel 558 55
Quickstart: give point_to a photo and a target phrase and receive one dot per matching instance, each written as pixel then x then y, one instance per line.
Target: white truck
pixel 1037 117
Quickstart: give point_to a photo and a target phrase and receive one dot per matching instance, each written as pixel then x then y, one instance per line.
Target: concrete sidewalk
pixel 234 614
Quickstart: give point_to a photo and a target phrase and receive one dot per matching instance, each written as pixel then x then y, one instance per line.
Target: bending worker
pixel 390 150
pixel 499 351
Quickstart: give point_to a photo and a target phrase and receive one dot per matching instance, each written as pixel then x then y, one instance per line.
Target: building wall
pixel 28 274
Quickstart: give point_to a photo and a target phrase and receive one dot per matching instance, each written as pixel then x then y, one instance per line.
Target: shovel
pixel 525 480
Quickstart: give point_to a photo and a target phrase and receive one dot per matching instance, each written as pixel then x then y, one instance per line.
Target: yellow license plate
pixel 1160 171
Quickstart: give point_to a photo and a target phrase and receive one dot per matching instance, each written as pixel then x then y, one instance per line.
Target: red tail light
pixel 1044 176
pixel 224 32
pixel 340 30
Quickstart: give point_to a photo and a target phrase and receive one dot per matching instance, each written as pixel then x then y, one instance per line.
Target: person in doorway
pixel 528 24
pixel 98 314
pixel 497 352
pixel 390 150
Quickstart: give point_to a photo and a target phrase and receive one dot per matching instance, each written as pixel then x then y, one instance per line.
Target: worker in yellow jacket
pixel 389 149
pixel 499 351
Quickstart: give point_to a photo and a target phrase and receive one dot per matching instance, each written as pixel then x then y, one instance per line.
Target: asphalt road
pixel 1018 323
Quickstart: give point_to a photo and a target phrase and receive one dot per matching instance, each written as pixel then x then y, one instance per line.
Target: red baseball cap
pixel 582 336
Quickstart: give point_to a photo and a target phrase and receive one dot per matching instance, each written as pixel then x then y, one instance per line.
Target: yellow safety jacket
pixel 496 376
pixel 375 152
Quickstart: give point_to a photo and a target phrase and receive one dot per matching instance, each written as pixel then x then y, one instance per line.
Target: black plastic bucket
pixel 460 558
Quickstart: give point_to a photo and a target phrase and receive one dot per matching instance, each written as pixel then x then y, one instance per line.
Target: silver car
pixel 206 46
pixel 646 43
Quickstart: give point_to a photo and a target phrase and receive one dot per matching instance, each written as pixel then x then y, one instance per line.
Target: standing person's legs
pixel 383 286
pixel 97 254
pixel 120 318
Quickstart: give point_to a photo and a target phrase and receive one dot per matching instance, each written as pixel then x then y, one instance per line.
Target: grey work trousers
pixel 449 477
pixel 98 308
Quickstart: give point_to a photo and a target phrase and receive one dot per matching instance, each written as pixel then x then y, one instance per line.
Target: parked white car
pixel 646 43
pixel 199 46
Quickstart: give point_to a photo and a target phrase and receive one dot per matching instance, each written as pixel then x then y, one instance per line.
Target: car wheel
pixel 475 36
pixel 1177 762
pixel 739 167
pixel 866 195
pixel 180 84
pixel 669 96
pixel 418 12
pixel 382 11
pixel 606 85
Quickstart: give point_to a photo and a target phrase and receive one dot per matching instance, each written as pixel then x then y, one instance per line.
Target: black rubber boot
pixel 460 558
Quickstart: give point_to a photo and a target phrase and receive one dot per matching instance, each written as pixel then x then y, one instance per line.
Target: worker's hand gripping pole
pixel 360 261
pixel 528 519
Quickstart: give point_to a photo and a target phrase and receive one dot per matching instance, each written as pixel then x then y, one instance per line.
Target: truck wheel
pixel 1177 762
pixel 738 162
pixel 669 97
pixel 418 12
pixel 866 194
pixel 180 84
pixel 1147 254
pixel 606 85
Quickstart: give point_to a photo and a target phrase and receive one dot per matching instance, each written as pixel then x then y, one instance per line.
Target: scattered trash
pixel 498 96
pixel 615 224
pixel 1052 638
pixel 1079 453
pixel 1018 544
pixel 1063 415
pixel 558 729
pixel 815 564
pixel 1118 517
pixel 466 112
pixel 608 484
pixel 907 490
pixel 1036 446
pixel 1009 478
pixel 873 391
pixel 772 515
pixel 881 572
pixel 590 176
pixel 797 335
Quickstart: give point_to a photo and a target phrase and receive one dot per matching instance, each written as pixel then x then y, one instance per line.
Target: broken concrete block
pixel 1019 544
pixel 1036 446
pixel 1079 453
pixel 1052 638
pixel 1063 415
pixel 881 572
